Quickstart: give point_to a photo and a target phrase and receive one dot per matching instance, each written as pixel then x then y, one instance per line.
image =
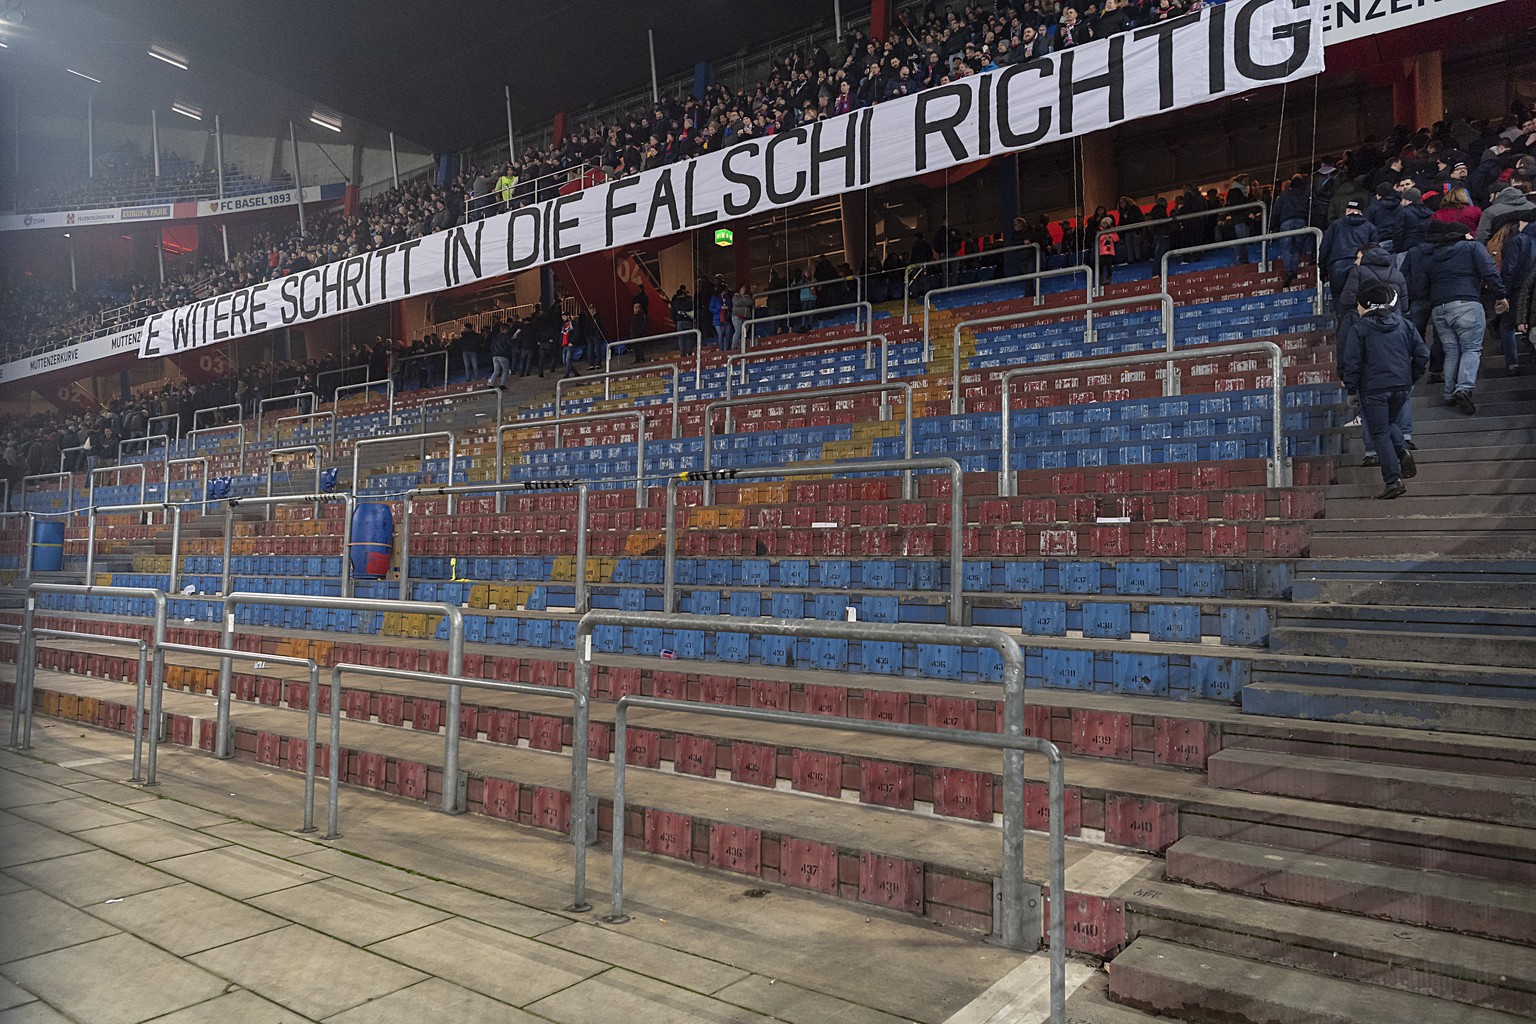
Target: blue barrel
pixel 373 541
pixel 47 545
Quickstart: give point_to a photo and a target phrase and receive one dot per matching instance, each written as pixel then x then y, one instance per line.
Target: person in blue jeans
pixel 1288 214
pixel 1383 356
pixel 1373 265
pixel 1451 279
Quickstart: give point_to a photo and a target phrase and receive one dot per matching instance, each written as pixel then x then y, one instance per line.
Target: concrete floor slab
pixel 178 813
pixel 612 946
pixel 491 910
pixel 116 980
pixel 76 814
pixel 278 844
pixel 621 995
pixel 796 1005
pixel 9 884
pixel 433 999
pixel 34 1013
pixel 349 911
pixel 359 869
pixel 238 1007
pixel 186 919
pixel 489 961
pixel 37 923
pixel 239 872
pixel 115 792
pixel 148 841
pixel 13 995
pixel 86 879
pixel 306 971
pixel 27 842
pixel 18 791
pixel 45 771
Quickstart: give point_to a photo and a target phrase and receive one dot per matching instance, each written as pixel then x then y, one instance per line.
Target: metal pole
pixel 511 138
pixel 298 184
pixel 229 533
pixel 394 159
pixel 650 36
pixel 218 150
pixel 160 257
pixel 90 134
pixel 74 285
pixel 224 230
pixel 154 137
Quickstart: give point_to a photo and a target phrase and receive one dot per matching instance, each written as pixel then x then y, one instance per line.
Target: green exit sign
pixel 724 236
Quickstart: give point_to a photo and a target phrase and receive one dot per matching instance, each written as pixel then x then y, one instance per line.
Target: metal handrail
pixel 867 321
pixel 698 352
pixel 196 432
pixel 1261 238
pixel 346 497
pixel 905 387
pixel 1012 928
pixel 26 657
pixel 944 462
pixel 339 371
pixel 92 474
pixel 388 384
pixel 170 507
pixel 501 490
pixel 816 346
pixel 1163 299
pixel 1037 277
pixel 272 457
pixel 912 271
pixel 150 423
pixel 190 460
pixel 640 425
pixel 261 406
pixel 139 688
pixel 224 749
pixel 64 454
pixel 400 363
pixel 579 711
pixel 165 451
pixel 306 417
pixel 69 486
pixel 197 414
pixel 1278 465
pixel 500 401
pixel 424 437
pixel 1237 243
pixel 607 378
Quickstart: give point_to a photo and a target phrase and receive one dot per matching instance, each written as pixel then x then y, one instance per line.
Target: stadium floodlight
pixel 187 110
pixel 82 74
pixel 326 120
pixel 168 55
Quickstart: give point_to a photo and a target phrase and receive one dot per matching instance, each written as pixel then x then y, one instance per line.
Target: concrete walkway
pixel 194 902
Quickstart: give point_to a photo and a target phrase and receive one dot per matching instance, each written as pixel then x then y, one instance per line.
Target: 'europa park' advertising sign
pixel 1221 51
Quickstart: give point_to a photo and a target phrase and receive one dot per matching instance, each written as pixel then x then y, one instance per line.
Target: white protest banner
pixel 1344 20
pixel 86 351
pixel 1221 51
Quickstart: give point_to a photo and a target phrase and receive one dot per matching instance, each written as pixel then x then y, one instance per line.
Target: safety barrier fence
pixel 667 369
pixel 1037 277
pixel 273 454
pixel 640 424
pixel 140 686
pixel 863 320
pixel 916 270
pixel 743 358
pixel 429 435
pixel 1262 239
pixel 692 334
pixel 281 400
pixel 304 417
pixel 1316 234
pixel 347 498
pixel 461 396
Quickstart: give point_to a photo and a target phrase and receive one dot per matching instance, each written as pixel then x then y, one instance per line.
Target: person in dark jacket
pixel 1342 242
pixel 1373 266
pixel 1450 277
pixel 1289 213
pixel 1383 356
pixel 1386 214
pixel 683 319
pixel 501 358
pixel 638 327
pixel 590 336
pixel 1412 223
pixel 1513 248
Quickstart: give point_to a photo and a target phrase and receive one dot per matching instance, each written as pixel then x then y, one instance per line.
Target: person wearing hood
pixel 1451 278
pixel 1383 356
pixel 1386 213
pixel 1373 266
pixel 1508 201
pixel 1412 223
pixel 1342 241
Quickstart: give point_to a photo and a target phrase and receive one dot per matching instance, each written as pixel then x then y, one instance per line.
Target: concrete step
pixel 1441 794
pixel 1452 649
pixel 1437 537
pixel 1499 405
pixel 1455 903
pixel 1440 712
pixel 1362 504
pixel 1482 972
pixel 1091 1004
pixel 1411 618
pixel 1206 987
pixel 1448 594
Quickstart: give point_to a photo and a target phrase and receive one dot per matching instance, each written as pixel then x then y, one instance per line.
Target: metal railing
pixel 261 406
pixel 418 358
pixel 698 352
pixel 171 508
pixel 197 415
pixel 607 378
pixel 138 690
pixel 1278 465
pixel 459 396
pixel 165 451
pixel 26 656
pixel 69 488
pixel 742 358
pixel 1037 277
pixel 905 387
pixel 640 424
pixel 956 512
pixel 307 417
pixel 273 454
pixel 1012 929
pixel 341 372
pixel 195 433
pixel 501 490
pixel 191 460
pixel 1163 299
pixel 864 322
pixel 1316 234
pixel 345 497
pixel 388 384
pixel 368 442
pixel 93 474
pixel 914 271
pixel 168 417
pixel 1122 230
pixel 64 454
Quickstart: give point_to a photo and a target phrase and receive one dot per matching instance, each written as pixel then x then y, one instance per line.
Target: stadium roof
pixel 432 73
